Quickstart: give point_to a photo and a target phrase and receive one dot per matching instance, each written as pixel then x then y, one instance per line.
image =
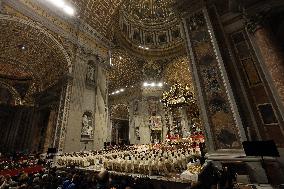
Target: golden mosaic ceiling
pixel 149 12
pixel 27 52
pixel 178 72
pixel 149 27
pixel 100 13
pixel 128 71
pixel 13 70
pixel 125 70
pixel 97 13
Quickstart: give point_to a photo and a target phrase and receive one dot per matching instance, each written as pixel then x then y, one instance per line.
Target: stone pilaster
pixel 223 126
pixel 50 130
pixel 273 57
pixel 271 63
pixel 62 117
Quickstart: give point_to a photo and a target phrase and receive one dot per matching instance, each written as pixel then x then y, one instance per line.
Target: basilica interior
pixel 197 82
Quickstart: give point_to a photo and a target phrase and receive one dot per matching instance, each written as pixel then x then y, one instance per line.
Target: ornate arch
pixel 16 96
pixel 40 27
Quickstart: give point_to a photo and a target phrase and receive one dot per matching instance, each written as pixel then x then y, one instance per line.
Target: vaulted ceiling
pixel 29 53
pixel 97 13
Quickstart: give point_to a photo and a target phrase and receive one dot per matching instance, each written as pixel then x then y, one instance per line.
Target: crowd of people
pixel 16 163
pixel 72 178
pixel 162 160
pixel 61 179
pixel 143 159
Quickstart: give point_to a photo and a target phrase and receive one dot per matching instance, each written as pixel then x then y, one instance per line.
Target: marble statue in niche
pixel 90 75
pixel 137 133
pixel 155 123
pixel 153 106
pixel 135 107
pixel 87 126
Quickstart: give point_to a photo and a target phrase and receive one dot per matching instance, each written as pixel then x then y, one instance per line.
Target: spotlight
pixel 145 84
pixel 62 5
pixel 121 90
pixel 142 47
pixel 120 58
pixel 69 10
pixel 153 84
pixel 57 3
pixel 22 47
pixel 160 84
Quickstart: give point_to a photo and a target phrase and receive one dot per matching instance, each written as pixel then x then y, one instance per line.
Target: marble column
pixel 219 113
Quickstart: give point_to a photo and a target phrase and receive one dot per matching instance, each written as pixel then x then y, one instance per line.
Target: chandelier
pixel 178 96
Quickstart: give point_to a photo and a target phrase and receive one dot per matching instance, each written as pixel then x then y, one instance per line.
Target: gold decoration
pixel 149 12
pixel 125 71
pixel 178 72
pixel 98 14
pixel 29 52
pixel 178 96
pixel 194 169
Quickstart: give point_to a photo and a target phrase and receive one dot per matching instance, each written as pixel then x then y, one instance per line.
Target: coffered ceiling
pixel 97 13
pixel 28 53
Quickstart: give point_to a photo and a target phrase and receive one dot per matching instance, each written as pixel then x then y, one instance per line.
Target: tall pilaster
pixel 269 60
pixel 50 130
pixel 62 117
pixel 219 112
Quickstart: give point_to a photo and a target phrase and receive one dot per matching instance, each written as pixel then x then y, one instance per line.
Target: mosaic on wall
pixel 221 119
